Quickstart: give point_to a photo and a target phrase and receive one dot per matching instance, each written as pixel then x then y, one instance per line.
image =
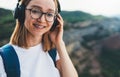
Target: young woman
pixel 32 39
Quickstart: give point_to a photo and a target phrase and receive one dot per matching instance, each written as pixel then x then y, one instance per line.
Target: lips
pixel 38 26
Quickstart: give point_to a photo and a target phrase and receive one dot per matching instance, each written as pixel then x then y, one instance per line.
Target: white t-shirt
pixel 34 62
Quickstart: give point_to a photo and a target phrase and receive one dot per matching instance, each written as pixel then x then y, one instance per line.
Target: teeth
pixel 41 26
pixel 38 26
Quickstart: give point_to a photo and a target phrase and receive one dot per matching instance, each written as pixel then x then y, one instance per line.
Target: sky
pixel 95 7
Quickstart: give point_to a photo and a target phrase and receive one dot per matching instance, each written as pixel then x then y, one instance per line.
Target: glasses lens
pixel 35 13
pixel 50 16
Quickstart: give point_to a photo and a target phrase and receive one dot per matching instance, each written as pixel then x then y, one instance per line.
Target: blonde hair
pixel 19 36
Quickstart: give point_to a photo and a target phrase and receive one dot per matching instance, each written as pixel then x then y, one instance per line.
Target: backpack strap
pixel 53 54
pixel 10 61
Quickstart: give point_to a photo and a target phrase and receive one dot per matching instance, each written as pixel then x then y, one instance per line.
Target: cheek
pixel 50 24
pixel 28 21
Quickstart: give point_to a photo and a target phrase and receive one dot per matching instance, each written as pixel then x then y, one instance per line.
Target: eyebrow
pixel 33 6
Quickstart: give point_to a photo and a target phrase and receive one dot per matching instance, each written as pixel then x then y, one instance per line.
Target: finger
pixel 60 20
pixel 60 17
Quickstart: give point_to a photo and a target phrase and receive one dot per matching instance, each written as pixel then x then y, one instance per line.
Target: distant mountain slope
pixel 75 16
pixel 4 12
pixel 78 16
pixel 117 16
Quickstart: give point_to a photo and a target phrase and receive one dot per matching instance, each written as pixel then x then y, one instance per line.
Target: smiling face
pixel 37 27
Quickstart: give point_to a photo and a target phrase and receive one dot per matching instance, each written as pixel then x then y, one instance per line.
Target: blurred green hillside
pixel 78 16
pixel 7 24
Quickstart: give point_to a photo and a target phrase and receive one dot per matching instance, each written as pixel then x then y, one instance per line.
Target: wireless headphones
pixel 19 12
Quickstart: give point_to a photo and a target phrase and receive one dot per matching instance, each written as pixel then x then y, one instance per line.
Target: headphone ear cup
pixel 21 16
pixel 59 8
pixel 20 13
pixel 16 12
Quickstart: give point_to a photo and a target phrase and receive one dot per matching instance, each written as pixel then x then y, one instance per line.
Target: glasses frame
pixel 42 13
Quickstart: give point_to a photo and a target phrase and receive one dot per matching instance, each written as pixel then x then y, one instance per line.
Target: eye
pixel 50 14
pixel 34 11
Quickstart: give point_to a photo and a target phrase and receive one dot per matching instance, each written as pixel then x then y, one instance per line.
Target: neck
pixel 32 41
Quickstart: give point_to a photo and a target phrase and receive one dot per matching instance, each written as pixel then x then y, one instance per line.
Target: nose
pixel 42 18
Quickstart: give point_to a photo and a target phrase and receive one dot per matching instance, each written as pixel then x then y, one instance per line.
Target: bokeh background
pixel 92 34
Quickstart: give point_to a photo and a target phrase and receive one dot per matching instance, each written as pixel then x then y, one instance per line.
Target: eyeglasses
pixel 36 14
